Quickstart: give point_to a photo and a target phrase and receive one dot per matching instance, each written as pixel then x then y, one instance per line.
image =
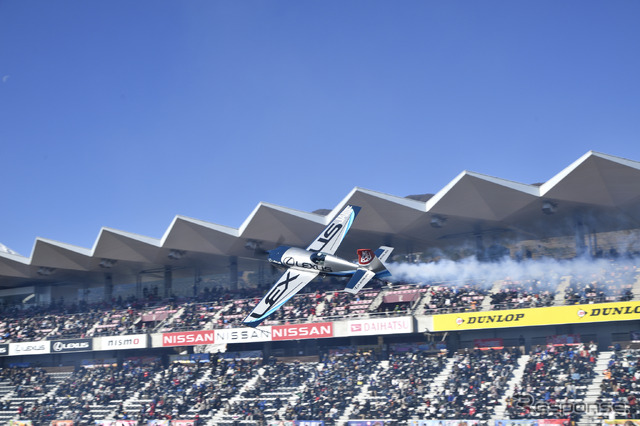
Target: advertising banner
pixel 132 341
pixel 243 335
pixel 368 422
pixel 30 348
pixel 600 312
pixel 563 339
pixel 302 331
pixel 402 296
pixel 391 325
pixel 62 423
pixel 625 422
pixel 157 423
pixel 72 345
pixel 443 422
pixel 488 343
pixel 183 422
pixel 189 338
pixel 160 316
pixel 242 354
pixel 531 422
pixel 117 422
pixel 20 423
pixel 4 349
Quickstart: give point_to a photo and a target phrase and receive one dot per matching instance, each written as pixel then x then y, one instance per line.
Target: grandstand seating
pixel 351 385
pixel 620 383
pixel 456 298
pixel 219 309
pixel 555 374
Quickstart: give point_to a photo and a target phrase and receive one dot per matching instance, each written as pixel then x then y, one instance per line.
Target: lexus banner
pixel 72 345
pixel 30 348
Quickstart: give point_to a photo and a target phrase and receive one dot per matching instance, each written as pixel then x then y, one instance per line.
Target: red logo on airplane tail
pixel 365 256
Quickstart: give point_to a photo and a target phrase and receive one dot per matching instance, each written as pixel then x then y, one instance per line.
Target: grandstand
pixel 509 303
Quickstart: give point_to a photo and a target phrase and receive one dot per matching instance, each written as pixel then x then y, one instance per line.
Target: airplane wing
pixel 329 240
pixel 290 283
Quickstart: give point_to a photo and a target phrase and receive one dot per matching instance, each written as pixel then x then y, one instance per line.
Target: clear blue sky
pixel 124 114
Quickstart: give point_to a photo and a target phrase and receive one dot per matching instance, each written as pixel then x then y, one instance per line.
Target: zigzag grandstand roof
pixel 598 191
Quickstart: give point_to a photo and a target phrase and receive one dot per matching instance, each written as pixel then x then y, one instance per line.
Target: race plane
pixel 303 265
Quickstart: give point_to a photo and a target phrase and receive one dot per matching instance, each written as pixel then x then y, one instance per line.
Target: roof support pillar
pixel 579 227
pixel 233 272
pixel 168 281
pixel 479 247
pixel 108 287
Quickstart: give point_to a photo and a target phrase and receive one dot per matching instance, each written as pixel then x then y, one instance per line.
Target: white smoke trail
pixel 548 271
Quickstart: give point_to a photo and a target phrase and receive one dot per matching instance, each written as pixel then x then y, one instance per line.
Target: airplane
pixel 303 265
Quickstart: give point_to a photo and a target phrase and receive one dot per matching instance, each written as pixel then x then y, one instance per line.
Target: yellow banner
pixel 618 311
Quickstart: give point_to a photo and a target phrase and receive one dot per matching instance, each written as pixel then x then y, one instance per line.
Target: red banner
pixel 402 296
pixel 488 343
pixel 563 339
pixel 161 316
pixel 302 331
pixel 188 338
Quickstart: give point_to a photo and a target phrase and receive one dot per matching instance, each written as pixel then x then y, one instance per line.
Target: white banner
pixel 375 326
pixel 30 348
pixel 243 335
pixel 132 341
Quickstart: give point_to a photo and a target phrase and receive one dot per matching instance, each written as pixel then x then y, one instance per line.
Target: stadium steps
pixel 131 404
pixel 7 416
pixel 294 397
pixel 518 373
pixel 284 393
pixel 169 320
pixel 220 417
pixel 320 307
pixel 364 393
pixel 376 302
pixel 425 300
pixel 594 391
pixel 495 289
pixel 560 291
pixel 5 388
pixel 440 381
pixel 57 378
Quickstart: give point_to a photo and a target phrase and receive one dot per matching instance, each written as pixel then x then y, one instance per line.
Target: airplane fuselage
pixel 301 259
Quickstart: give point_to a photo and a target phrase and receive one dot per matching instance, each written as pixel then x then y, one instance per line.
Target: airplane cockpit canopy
pixel 318 257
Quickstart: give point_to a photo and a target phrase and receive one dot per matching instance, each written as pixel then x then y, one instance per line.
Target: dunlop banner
pixel 601 312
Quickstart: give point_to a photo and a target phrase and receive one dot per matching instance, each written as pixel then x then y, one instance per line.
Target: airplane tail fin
pixel 370 266
pixel 359 280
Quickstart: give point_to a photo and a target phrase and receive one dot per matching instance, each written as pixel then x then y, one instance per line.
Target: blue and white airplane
pixel 303 265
